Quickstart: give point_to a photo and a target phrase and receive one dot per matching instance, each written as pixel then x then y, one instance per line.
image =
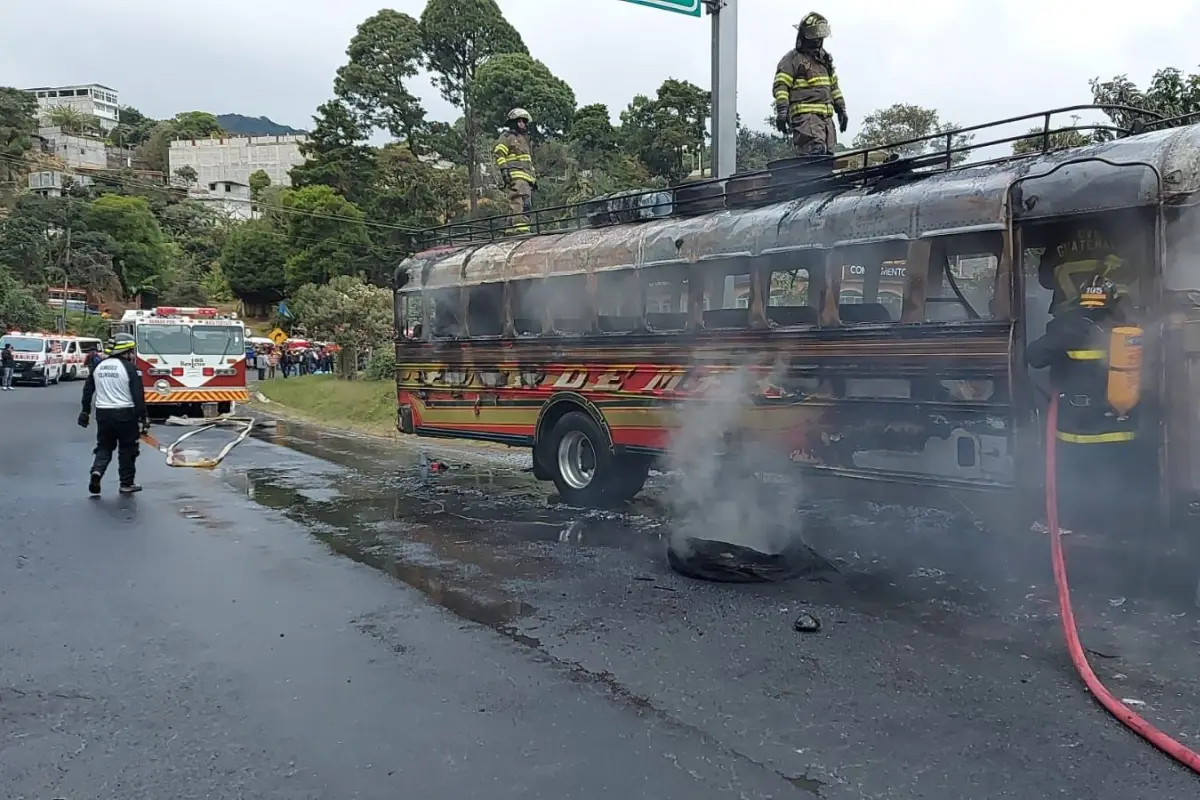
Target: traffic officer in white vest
pixel 116 387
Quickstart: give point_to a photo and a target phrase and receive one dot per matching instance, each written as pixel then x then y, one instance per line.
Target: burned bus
pixel 897 296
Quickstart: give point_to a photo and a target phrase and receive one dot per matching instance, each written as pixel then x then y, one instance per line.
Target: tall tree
pixel 337 154
pixel 18 122
pixel 141 257
pixel 1171 93
pixel 252 260
pixel 72 120
pixel 133 127
pixel 902 121
pixel 384 55
pixel 328 232
pixel 665 132
pixel 512 80
pixel 592 132
pixel 20 308
pixel 459 36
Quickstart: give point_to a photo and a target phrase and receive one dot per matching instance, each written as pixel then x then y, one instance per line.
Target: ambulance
pixel 38 357
pixel 76 350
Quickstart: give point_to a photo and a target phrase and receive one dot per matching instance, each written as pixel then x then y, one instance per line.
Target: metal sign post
pixel 724 86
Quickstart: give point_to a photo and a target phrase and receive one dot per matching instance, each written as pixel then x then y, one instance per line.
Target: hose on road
pixel 243 426
pixel 1127 716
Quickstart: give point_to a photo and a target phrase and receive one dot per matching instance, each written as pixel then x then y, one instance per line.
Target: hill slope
pixel 254 126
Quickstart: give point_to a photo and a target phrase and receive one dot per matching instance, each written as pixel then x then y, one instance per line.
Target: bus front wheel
pixel 584 470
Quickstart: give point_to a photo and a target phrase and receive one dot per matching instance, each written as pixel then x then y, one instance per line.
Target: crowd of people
pixel 271 362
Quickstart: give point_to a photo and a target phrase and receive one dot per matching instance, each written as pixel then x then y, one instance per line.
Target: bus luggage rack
pixel 792 178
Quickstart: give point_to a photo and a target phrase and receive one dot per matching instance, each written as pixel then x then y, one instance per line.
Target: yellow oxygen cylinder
pixel 1125 368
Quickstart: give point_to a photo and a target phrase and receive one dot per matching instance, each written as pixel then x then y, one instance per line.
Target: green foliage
pixel 215 285
pixel 662 131
pixel 384 54
pixel 187 174
pixel 902 121
pixel 253 260
pixel 458 37
pixel 20 308
pixel 1171 93
pixel 133 128
pixel 756 148
pixel 346 311
pixel 337 153
pixel 1057 140
pixel 259 180
pixel 414 194
pixel 18 122
pixel 512 80
pixel 72 120
pixel 139 249
pixel 381 365
pixel 592 133
pixel 329 236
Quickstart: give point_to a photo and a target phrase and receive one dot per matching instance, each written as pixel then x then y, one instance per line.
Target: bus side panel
pixel 926 404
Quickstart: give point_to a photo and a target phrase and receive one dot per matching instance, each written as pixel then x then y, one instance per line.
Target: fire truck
pixel 192 360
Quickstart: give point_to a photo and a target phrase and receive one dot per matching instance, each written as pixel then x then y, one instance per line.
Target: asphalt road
pixel 324 618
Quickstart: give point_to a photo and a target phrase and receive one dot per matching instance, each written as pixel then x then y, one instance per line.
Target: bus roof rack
pixel 867 166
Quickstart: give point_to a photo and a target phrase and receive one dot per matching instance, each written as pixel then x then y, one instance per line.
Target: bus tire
pixel 579 461
pixel 629 476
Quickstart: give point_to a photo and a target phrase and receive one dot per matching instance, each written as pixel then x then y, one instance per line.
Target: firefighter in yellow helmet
pixel 1096 424
pixel 514 160
pixel 807 95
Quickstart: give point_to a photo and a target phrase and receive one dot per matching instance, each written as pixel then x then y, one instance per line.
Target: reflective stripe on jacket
pixel 806 83
pixel 513 153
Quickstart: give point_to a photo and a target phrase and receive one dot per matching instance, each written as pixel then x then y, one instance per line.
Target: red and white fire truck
pixel 192 360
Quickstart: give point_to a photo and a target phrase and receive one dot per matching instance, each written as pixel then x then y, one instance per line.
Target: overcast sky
pixel 973 60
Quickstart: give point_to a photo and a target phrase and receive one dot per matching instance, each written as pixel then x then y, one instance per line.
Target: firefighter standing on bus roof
pixel 514 159
pixel 807 95
pixel 1095 428
pixel 116 387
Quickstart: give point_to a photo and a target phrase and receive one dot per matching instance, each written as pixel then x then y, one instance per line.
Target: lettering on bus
pixel 885 271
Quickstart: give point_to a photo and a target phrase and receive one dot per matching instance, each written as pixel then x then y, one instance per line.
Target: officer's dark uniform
pixel 116 388
pixel 1092 438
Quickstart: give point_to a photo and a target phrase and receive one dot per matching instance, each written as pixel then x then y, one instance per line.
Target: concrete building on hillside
pixel 75 151
pixel 230 199
pixel 97 100
pixel 235 159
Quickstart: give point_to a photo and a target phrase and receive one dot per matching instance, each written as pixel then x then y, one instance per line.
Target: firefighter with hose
pixel 115 386
pixel 1094 359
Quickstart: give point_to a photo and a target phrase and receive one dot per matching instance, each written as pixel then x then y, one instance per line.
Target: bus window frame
pixel 638 290
pixel 812 262
pixel 871 256
pixel 941 249
pixel 711 274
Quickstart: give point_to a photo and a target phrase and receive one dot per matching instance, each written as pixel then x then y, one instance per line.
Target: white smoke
pixel 732 484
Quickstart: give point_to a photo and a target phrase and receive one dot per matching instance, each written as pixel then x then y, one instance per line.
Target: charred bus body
pixel 887 311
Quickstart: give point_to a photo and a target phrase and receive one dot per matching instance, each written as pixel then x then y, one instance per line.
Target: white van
pixel 38 357
pixel 76 350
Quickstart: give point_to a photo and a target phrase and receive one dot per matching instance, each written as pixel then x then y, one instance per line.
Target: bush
pixel 381 366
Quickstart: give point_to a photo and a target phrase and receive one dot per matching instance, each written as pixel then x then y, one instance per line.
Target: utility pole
pixel 724 86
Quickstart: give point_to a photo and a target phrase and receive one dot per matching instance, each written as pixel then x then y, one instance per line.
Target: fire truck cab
pixel 192 360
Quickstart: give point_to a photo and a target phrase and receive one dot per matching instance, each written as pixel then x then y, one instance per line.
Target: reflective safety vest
pixel 514 155
pixel 1084 413
pixel 806 83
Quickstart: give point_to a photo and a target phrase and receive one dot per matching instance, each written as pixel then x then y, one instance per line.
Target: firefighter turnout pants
pixel 520 204
pixel 813 134
pixel 117 430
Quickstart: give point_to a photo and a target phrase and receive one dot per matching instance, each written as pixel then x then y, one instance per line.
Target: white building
pixel 230 199
pixel 50 183
pixel 95 99
pixel 234 160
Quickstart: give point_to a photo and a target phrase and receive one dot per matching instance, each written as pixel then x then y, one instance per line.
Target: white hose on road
pixel 243 425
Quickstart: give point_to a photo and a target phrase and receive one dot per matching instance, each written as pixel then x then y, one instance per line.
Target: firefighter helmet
pixel 814 26
pixel 1099 292
pixel 520 113
pixel 121 343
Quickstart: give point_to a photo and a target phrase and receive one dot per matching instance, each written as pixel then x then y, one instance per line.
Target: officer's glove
pixel 782 123
pixel 843 121
pixel 506 180
pixel 84 419
pixel 145 426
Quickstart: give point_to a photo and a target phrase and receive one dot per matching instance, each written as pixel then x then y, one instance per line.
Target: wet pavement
pixel 326 616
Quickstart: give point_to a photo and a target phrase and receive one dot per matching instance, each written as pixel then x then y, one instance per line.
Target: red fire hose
pixel 1131 720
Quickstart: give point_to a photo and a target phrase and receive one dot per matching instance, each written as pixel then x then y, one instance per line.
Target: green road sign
pixel 690 7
